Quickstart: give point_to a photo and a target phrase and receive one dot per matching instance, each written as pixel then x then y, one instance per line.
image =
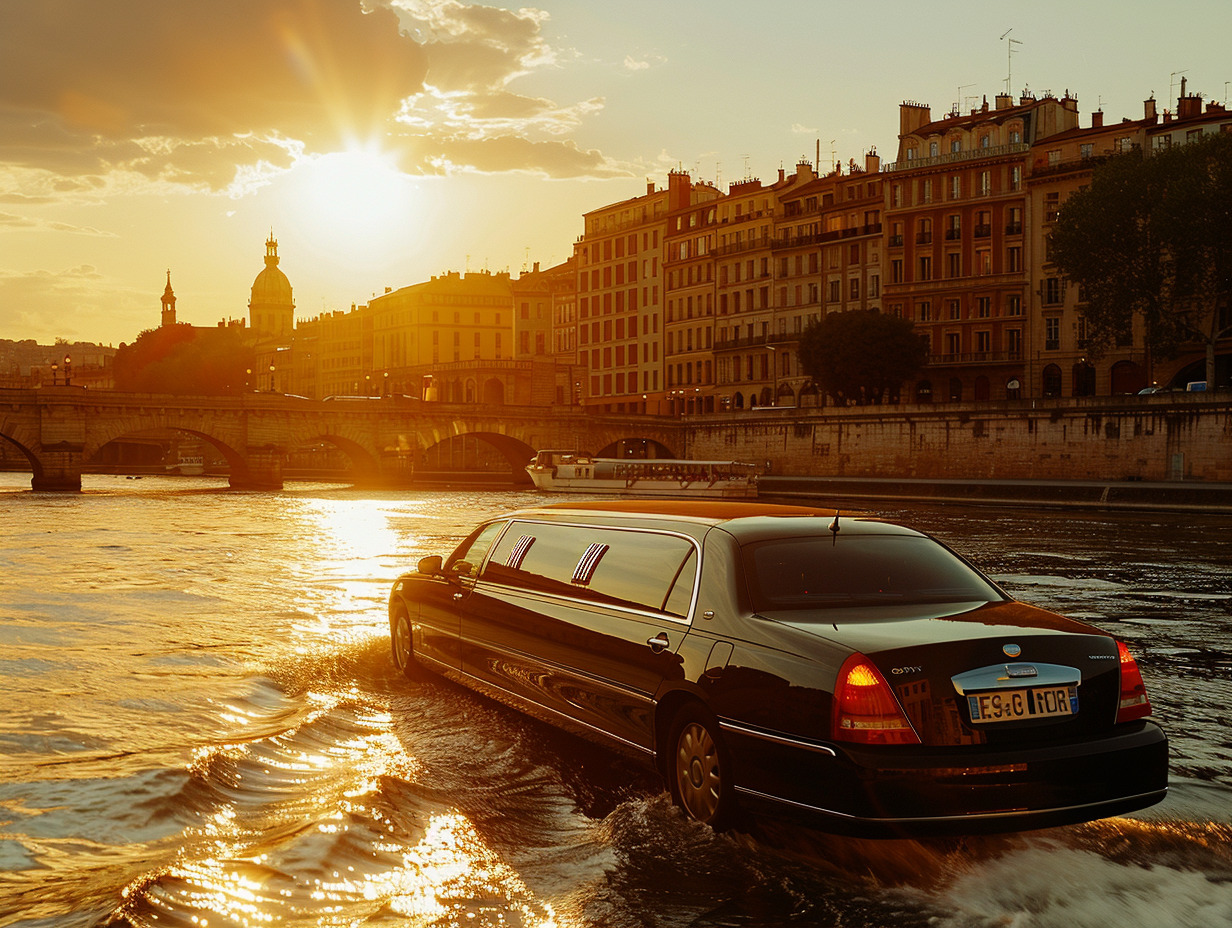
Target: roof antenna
pixel 834 526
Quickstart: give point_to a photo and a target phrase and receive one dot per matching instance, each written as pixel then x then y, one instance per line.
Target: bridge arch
pixel 514 450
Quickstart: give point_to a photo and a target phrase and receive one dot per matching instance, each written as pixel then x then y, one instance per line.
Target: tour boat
pixel 188 465
pixel 573 472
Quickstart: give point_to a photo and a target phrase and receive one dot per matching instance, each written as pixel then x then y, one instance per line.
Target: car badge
pixel 1011 650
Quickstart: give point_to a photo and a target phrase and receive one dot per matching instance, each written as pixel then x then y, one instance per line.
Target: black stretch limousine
pixel 781 659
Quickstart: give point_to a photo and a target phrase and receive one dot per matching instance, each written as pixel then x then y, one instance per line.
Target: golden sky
pixel 383 141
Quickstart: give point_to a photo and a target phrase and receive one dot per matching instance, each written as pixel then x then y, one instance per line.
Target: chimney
pixel 911 116
pixel 1097 119
pixel 649 186
pixel 1148 109
pixel 679 186
pixel 1004 101
pixel 782 175
pixel 872 162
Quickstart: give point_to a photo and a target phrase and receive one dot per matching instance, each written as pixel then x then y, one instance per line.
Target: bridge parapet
pixel 60 429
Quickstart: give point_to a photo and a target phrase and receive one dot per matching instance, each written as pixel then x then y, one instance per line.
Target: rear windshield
pixel 815 572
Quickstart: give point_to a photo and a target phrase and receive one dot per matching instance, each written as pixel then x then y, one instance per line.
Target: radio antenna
pixel 1009 60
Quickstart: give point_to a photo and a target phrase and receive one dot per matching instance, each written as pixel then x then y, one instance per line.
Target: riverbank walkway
pixel 1176 495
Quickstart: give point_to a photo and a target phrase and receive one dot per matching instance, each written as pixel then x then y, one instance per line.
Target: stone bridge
pixel 61 429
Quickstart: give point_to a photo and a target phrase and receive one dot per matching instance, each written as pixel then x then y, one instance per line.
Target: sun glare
pixel 349 200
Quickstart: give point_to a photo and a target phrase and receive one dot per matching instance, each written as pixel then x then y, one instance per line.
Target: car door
pixel 585 621
pixel 442 597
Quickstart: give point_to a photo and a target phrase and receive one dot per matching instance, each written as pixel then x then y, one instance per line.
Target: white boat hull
pixel 557 472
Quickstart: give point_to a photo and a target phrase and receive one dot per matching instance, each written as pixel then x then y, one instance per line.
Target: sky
pixel 384 141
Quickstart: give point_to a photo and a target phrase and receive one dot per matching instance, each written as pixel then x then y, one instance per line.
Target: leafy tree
pixel 861 356
pixel 1151 237
pixel 186 360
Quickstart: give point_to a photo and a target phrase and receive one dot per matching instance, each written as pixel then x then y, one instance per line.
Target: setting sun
pixel 351 201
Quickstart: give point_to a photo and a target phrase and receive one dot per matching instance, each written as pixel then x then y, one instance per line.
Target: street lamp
pixel 247 378
pixel 774 370
pixel 272 390
pixel 55 371
pixel 68 369
pixel 367 384
pixel 385 392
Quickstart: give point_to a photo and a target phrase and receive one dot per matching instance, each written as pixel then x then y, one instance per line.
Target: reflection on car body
pixel 790 660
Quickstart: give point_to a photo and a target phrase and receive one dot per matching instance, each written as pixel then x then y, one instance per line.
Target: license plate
pixel 1034 703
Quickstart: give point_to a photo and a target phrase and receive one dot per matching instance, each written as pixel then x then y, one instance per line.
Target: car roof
pixel 747 521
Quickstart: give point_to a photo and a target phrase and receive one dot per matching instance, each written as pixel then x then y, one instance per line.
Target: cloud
pixel 632 65
pixel 799 129
pixel 46 305
pixel 508 153
pixel 222 94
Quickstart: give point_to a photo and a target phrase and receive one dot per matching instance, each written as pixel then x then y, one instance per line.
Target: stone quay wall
pixel 1184 436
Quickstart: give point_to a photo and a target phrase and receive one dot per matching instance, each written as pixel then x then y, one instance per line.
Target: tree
pixel 1151 237
pixel 861 356
pixel 183 359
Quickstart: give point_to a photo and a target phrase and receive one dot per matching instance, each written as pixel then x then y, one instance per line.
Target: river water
pixel 200 726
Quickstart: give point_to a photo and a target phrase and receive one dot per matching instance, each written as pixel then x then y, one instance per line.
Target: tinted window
pixel 806 573
pixel 629 568
pixel 465 560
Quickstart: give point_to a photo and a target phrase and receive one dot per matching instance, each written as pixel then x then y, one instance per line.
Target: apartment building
pixel 957 235
pixel 1057 361
pixel 621 294
pixel 744 259
pixel 690 287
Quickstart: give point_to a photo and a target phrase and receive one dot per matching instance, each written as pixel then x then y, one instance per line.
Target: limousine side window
pixel 642 570
pixel 467 558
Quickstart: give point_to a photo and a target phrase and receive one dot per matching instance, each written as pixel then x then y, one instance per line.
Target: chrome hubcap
pixel 402 641
pixel 697 772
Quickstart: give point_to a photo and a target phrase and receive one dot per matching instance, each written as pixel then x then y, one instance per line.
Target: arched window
pixel 1050 379
pixel 924 391
pixel 956 389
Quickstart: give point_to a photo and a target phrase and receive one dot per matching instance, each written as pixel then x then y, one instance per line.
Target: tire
pixel 401 643
pixel 699 768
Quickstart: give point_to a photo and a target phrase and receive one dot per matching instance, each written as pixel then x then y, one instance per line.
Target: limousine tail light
pixel 1134 704
pixel 865 710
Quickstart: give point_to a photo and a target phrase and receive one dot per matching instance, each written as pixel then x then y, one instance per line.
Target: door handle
pixel 659 642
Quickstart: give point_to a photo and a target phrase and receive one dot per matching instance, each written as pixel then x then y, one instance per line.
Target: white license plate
pixel 1033 703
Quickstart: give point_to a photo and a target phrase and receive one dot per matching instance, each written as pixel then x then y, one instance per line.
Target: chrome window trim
pixel 697 548
pixel 486 586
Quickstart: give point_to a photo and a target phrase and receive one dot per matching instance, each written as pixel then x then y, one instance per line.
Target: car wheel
pixel 400 642
pixel 700 771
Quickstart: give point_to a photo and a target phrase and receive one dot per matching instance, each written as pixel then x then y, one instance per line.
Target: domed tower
pixel 271 311
pixel 168 303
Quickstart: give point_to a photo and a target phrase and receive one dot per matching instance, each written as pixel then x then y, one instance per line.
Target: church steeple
pixel 271 250
pixel 168 303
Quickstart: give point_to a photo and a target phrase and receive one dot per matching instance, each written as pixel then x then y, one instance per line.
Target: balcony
pixel 953 235
pixel 896 241
pixel 1013 228
pixel 983 231
pixel 953 157
pixel 974 357
pixel 924 238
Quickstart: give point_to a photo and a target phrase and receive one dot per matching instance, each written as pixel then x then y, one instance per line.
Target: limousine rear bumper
pixel 897 792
